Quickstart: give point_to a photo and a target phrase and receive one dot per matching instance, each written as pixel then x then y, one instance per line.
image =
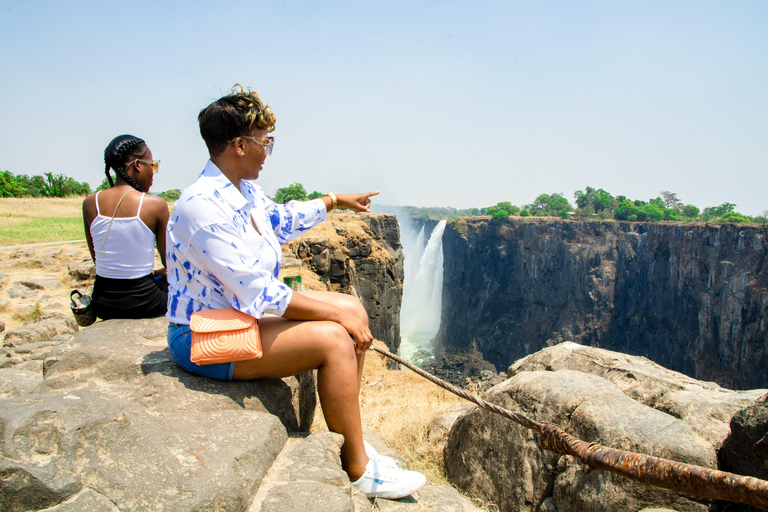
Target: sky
pixel 434 103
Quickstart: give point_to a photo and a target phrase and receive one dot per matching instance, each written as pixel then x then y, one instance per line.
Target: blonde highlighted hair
pixel 234 115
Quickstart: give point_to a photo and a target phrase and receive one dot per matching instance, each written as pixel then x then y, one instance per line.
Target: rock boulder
pixel 496 460
pixel 705 406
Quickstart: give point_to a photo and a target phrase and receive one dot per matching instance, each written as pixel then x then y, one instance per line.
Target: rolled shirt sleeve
pixel 295 218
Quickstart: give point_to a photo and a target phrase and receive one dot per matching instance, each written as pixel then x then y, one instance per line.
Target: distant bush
pixel 690 211
pixel 170 195
pixel 734 217
pixel 293 192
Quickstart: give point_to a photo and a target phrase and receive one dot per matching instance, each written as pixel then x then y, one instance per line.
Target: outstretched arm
pixel 357 202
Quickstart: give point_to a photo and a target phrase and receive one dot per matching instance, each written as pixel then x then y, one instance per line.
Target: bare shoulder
pixel 89 203
pixel 156 203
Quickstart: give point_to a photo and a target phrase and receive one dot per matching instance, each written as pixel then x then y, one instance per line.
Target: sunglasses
pixel 155 164
pixel 268 143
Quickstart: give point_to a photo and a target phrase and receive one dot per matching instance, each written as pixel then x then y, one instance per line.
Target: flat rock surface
pixel 307 476
pixel 175 461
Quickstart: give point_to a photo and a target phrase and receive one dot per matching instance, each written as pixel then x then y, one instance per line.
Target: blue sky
pixel 434 103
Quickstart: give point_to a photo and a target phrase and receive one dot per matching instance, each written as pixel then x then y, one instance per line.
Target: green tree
pixel 525 213
pixel 9 186
pixel 670 214
pixel 652 212
pixel 170 195
pixel 293 192
pixel 315 195
pixel 735 217
pixel 539 205
pixel 58 185
pixel 554 205
pixel 509 207
pixel 104 185
pixel 719 211
pixel 690 211
pixel 625 210
pixel 598 199
pixel 33 186
pixel 500 210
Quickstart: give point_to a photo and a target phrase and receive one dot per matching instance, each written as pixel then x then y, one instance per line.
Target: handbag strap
pixel 189 281
pixel 109 228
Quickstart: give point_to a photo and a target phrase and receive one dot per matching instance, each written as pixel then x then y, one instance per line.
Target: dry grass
pixel 399 405
pixel 30 207
pixel 30 316
pixel 354 226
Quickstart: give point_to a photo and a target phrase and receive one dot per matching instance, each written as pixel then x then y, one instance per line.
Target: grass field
pixel 31 220
pixel 41 229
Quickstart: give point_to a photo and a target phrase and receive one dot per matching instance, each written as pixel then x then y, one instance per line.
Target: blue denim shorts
pixel 180 343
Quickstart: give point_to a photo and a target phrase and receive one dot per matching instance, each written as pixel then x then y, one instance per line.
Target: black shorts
pixel 144 297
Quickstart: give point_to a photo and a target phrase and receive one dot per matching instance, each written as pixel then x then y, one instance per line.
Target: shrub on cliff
pixel 735 217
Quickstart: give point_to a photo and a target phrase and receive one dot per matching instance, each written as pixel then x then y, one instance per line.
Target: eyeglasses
pixel 268 143
pixel 155 164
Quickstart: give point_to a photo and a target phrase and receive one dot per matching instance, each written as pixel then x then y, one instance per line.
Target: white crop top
pixel 129 252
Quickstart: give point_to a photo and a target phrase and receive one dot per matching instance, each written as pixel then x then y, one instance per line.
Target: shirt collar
pixel 225 188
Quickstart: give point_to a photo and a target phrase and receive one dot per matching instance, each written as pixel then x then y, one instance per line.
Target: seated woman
pixel 122 226
pixel 224 251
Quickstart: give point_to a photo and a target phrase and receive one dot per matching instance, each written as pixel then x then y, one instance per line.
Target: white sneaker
pixel 383 460
pixel 391 483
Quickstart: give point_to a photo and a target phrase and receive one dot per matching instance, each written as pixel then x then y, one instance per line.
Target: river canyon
pixel 692 297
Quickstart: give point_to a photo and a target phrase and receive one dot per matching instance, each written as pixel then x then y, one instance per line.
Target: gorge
pixel 691 297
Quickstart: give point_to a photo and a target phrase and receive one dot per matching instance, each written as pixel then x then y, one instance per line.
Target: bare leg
pixel 352 306
pixel 291 347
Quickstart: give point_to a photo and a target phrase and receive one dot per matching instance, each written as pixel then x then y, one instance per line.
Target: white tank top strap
pixel 141 201
pixel 98 212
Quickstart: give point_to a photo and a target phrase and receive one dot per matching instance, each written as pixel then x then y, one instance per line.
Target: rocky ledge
pixel 104 420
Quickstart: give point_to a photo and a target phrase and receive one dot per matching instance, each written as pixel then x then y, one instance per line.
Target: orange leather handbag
pixel 224 336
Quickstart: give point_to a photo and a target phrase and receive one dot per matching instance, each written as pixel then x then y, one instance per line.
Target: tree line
pixel 47 185
pixel 58 185
pixel 592 203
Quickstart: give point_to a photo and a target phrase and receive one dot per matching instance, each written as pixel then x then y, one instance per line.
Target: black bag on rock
pixel 82 309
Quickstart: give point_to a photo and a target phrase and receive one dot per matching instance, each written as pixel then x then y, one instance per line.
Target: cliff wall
pixel 692 298
pixel 358 254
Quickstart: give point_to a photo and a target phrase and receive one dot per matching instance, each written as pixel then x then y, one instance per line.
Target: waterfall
pixel 422 290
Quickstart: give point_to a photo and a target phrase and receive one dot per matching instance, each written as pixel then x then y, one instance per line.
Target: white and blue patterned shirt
pixel 212 244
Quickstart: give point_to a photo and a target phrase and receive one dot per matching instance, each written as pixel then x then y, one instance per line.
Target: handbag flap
pixel 214 320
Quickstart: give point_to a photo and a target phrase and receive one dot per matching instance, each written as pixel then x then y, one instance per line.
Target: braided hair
pixel 121 149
